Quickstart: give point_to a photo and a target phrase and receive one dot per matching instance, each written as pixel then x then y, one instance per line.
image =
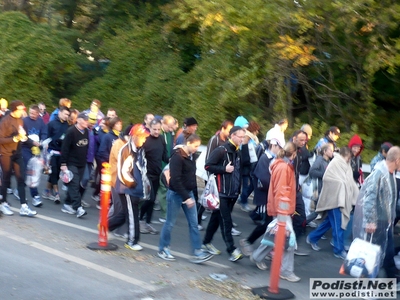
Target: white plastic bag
pixel 362 260
pixel 33 171
pixel 210 197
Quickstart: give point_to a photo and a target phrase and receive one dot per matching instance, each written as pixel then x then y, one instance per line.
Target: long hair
pixel 287 150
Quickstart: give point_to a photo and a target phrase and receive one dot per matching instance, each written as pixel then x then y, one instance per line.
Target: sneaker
pixel 80 212
pixel 314 246
pixel 341 255
pixel 142 226
pixel 245 207
pixel 5 209
pixel 150 229
pixel 235 232
pixel 261 265
pixel 236 255
pixel 9 191
pixel 203 217
pixel 319 217
pixel 157 206
pixel 202 256
pixel 332 244
pixel 68 209
pixel 162 220
pixel 47 195
pixel 200 228
pixel 312 224
pixel 123 236
pixel 98 206
pixel 132 246
pixel 36 202
pixel 324 237
pixel 291 277
pixel 85 204
pixel 301 252
pixel 211 249
pixel 26 211
pixel 57 198
pixel 246 247
pixel 166 254
pixel 96 198
pixel 234 224
pixel 16 194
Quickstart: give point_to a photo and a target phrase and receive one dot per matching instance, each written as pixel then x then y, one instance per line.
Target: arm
pixel 65 149
pixel 213 163
pixel 317 170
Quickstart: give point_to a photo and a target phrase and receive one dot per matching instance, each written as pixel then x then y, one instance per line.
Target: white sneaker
pixel 26 211
pixel 84 204
pixel 200 228
pixel 162 220
pixel 80 212
pixel 96 198
pixel 68 209
pixel 235 232
pixel 9 191
pixel 5 209
pixel 36 202
pixel 203 217
pixel 16 194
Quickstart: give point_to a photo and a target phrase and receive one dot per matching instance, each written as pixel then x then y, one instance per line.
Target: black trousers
pixel 148 205
pixel 8 164
pixel 299 217
pixel 222 217
pixel 130 206
pixel 74 195
pixel 259 230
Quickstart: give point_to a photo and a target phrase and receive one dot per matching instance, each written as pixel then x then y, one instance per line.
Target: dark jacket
pixel 56 131
pixel 156 153
pixel 317 170
pixel 261 178
pixel 228 183
pixel 356 162
pixel 183 173
pixel 75 147
pixel 106 142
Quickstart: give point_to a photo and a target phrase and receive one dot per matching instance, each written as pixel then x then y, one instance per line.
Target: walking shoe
pixel 235 232
pixel 324 237
pixel 341 255
pixel 301 252
pixel 332 244
pixel 80 212
pixel 132 246
pixel 142 226
pixel 314 246
pixel 96 198
pixel 68 209
pixel 312 224
pixel 16 194
pixel 9 191
pixel 85 204
pixel 200 228
pixel 57 198
pixel 47 195
pixel 261 265
pixel 234 224
pixel 151 229
pixel 157 206
pixel 211 249
pixel 26 211
pixel 246 247
pixel 5 209
pixel 36 202
pixel 203 217
pixel 291 277
pixel 236 255
pixel 200 257
pixel 162 220
pixel 123 236
pixel 245 207
pixel 166 254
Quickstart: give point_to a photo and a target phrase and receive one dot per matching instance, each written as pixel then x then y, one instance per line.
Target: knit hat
pixel 190 121
pixel 234 129
pixel 241 121
pixel 386 146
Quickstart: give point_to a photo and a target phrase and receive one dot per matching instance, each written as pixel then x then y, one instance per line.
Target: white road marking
pixel 96 232
pixel 80 261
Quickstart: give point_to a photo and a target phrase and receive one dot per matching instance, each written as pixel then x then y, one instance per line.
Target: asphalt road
pixel 46 257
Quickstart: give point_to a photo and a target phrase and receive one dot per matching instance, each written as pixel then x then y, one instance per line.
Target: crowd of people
pixel 153 166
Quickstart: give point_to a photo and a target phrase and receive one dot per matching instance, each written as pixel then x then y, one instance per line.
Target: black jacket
pixel 228 183
pixel 56 130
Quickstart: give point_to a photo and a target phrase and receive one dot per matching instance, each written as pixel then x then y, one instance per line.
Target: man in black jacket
pixel 226 163
pixel 73 158
pixel 56 131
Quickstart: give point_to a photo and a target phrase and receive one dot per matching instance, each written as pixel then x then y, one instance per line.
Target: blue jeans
pixel 247 189
pixel 174 203
pixel 334 221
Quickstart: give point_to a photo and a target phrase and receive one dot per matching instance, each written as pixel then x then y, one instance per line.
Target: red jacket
pixel 283 184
